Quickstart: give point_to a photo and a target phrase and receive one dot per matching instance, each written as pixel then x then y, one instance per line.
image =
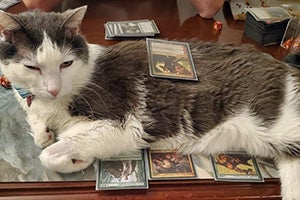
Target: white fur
pixel 88 140
pixel 47 111
pixel 290 178
pixel 79 139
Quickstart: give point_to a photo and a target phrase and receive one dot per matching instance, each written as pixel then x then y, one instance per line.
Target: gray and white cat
pixel 84 101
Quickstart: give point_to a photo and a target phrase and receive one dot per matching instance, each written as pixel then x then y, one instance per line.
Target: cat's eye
pixel 32 67
pixel 66 64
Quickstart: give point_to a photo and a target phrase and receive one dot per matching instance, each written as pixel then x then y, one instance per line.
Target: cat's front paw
pixel 44 138
pixel 62 157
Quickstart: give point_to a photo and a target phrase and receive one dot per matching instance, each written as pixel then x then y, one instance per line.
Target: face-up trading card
pixel 169 59
pixel 125 171
pixel 168 164
pixel 133 28
pixel 235 166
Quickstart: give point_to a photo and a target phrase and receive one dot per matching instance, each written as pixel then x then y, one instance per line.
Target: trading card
pixel 133 28
pixel 136 28
pixel 117 173
pixel 5 4
pixel 168 164
pixel 169 59
pixel 129 27
pixel 235 166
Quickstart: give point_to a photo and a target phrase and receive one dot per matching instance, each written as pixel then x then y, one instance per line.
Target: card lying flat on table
pixel 235 166
pixel 169 59
pixel 130 29
pixel 168 164
pixel 122 172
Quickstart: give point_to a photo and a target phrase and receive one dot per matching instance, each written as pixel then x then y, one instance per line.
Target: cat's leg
pixel 79 145
pixel 41 133
pixel 289 170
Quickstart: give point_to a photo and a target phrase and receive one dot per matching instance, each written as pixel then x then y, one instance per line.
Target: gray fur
pixel 230 79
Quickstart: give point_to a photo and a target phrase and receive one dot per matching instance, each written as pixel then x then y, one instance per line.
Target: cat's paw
pixel 44 138
pixel 62 157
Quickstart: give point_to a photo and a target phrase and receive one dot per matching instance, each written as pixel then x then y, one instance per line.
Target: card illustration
pixel 168 59
pixel 235 166
pixel 168 164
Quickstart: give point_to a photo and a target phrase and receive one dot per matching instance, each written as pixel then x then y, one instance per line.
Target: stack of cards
pixel 120 30
pixel 266 25
pixel 170 59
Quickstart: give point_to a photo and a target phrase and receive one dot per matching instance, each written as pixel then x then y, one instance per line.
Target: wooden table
pixel 168 16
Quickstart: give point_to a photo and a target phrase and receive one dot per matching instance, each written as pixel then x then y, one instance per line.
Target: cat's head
pixel 43 53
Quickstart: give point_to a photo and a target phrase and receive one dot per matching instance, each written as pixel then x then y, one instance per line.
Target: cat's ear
pixel 73 19
pixel 8 24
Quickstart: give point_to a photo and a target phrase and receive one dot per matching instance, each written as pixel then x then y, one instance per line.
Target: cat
pixel 84 101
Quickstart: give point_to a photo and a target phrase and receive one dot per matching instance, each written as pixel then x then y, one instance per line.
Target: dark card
pixel 170 59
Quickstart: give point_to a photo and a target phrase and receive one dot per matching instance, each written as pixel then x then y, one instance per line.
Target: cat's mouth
pixel 76 161
pixel 45 95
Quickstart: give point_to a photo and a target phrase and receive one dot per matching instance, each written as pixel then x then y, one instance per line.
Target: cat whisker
pixel 101 88
pixel 93 90
pixel 89 105
pixel 93 112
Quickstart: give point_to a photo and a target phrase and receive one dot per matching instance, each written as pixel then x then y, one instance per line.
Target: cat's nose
pixel 53 92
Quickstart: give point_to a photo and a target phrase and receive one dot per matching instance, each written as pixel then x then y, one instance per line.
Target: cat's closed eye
pixel 32 67
pixel 66 64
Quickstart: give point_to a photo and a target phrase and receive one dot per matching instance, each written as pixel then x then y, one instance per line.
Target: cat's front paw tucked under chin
pixel 59 157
